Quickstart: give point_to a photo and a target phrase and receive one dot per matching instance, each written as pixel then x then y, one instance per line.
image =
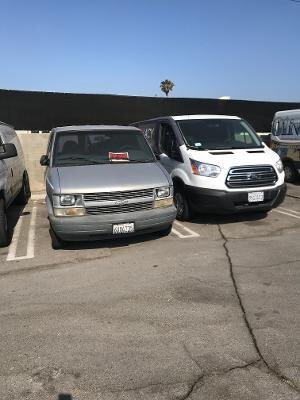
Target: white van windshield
pixel 218 134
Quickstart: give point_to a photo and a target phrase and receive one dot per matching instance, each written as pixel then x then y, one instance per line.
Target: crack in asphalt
pixel 217 374
pixel 275 373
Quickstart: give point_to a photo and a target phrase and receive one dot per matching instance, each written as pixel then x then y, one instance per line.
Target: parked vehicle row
pixel 110 181
pixel 14 181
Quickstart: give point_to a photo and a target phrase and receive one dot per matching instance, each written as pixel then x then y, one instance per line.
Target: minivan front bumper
pixel 224 202
pixel 97 227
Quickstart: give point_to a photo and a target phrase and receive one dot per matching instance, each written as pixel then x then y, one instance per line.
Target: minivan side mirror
pixel 44 161
pixel 157 155
pixel 8 151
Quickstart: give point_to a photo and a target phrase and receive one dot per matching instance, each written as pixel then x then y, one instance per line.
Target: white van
pixel 14 181
pixel 285 141
pixel 218 164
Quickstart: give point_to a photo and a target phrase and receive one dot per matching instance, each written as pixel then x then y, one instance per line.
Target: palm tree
pixel 166 86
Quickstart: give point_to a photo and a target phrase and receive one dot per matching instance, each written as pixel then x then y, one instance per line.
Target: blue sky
pixel 246 49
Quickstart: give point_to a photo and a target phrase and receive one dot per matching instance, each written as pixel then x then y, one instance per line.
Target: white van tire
pixel 182 205
pixel 25 192
pixel 4 235
pixel 290 172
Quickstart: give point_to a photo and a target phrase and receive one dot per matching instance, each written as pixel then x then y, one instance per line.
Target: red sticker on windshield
pixel 118 156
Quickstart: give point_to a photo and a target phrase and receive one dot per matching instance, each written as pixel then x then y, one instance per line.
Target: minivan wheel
pixel 4 236
pixel 56 242
pixel 290 172
pixel 166 231
pixel 182 206
pixel 25 192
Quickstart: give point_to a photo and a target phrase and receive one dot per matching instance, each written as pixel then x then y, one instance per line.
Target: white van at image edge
pixel 218 164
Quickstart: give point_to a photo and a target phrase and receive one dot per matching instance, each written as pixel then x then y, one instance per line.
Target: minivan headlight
pixel 68 205
pixel 67 200
pixel 163 192
pixel 203 169
pixel 279 166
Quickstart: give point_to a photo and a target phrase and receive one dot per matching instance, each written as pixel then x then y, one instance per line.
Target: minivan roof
pixel 94 128
pixel 288 113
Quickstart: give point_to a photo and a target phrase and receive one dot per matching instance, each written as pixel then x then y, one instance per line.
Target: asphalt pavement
pixel 211 312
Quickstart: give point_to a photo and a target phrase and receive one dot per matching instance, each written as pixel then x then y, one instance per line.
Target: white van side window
pixel 276 128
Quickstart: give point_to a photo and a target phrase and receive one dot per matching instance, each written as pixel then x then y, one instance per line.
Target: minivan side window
pixel 168 142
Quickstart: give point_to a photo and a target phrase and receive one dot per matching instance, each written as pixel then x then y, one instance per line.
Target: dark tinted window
pixel 94 147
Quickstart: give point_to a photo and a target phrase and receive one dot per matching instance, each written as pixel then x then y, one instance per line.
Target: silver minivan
pixel 102 182
pixel 14 181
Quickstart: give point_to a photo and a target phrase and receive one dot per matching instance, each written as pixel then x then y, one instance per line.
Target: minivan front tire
pixel 182 205
pixel 25 192
pixel 56 242
pixel 4 234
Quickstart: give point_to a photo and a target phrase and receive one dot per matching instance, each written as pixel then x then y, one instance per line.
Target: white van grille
pixel 251 176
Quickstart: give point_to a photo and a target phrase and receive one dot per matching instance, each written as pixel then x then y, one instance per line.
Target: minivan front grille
pixel 251 176
pixel 120 208
pixel 114 196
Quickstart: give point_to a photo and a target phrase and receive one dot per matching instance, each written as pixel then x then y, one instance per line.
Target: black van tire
pixel 56 242
pixel 25 192
pixel 290 172
pixel 4 235
pixel 182 205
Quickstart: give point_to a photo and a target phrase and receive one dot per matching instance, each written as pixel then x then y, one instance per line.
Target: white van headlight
pixel 279 166
pixel 162 192
pixel 203 169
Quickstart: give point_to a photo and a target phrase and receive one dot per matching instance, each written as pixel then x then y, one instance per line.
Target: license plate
pixel 123 228
pixel 255 197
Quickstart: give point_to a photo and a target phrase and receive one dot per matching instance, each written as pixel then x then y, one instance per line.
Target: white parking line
pixel 14 242
pixel 191 234
pixel 287 209
pixel 11 256
pixel 287 213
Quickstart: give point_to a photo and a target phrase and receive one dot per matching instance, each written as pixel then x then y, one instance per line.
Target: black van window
pixel 168 142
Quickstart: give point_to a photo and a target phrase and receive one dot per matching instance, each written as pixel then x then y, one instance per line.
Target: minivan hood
pixel 111 177
pixel 235 157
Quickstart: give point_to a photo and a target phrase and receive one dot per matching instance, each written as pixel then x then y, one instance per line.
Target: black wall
pixel 44 110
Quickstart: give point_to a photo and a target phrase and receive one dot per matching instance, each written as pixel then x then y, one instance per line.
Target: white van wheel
pixel 182 206
pixel 290 172
pixel 4 236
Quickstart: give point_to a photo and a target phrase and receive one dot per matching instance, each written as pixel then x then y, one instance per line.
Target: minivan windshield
pixel 75 148
pixel 218 134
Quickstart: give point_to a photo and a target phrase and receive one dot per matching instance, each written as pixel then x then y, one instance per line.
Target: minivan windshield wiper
pixel 66 160
pixel 142 161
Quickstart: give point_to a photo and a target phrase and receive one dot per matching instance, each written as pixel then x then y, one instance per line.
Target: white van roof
pixel 203 116
pixel 288 114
